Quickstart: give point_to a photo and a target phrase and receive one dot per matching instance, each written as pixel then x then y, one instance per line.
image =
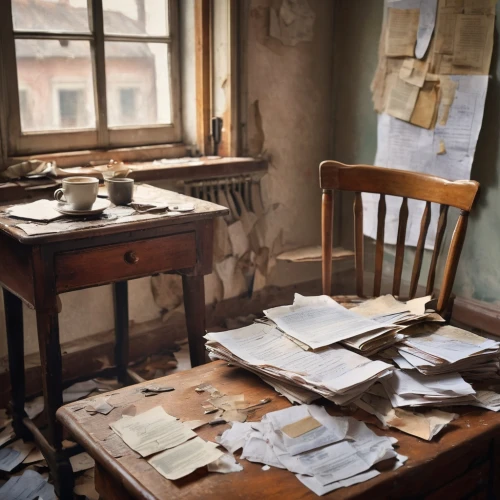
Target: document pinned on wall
pixel 430 105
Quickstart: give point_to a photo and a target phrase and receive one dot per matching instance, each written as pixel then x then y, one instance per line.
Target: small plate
pixel 97 208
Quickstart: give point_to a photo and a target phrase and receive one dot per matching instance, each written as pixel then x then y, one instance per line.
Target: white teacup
pixel 79 192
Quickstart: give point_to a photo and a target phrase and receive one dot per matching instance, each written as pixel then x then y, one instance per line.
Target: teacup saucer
pixel 97 208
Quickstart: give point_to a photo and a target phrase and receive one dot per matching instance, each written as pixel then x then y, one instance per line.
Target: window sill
pixel 205 168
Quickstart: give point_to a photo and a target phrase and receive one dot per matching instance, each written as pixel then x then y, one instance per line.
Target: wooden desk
pixel 35 269
pixel 461 461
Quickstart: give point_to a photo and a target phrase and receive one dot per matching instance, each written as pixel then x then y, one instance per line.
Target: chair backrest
pixel 385 181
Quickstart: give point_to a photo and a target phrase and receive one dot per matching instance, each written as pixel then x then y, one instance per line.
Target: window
pixel 101 73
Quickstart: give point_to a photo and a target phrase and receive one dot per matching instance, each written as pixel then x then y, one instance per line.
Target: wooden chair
pixel 384 181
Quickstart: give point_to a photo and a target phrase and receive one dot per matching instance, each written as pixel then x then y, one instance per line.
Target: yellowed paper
pixel 473 41
pixel 401 100
pixel 445 32
pixel 300 427
pixel 414 71
pixel 426 108
pixel 313 254
pixel 401 32
pixel 185 458
pixel 448 89
pixel 442 148
pixel 479 6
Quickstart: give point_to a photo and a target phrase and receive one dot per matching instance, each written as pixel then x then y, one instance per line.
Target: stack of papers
pixel 387 309
pixel 317 322
pixel 447 349
pixel 325 453
pixel 336 373
pixel 416 389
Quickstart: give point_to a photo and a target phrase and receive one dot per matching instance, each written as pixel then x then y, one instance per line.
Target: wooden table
pixel 462 461
pixel 35 268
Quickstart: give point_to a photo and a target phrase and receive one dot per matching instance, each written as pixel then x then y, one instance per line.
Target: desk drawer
pixel 106 264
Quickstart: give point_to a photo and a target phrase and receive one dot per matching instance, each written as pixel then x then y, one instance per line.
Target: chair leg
pixel 15 340
pixel 194 304
pixel 120 296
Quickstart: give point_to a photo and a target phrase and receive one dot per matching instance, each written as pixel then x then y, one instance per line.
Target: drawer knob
pixel 131 258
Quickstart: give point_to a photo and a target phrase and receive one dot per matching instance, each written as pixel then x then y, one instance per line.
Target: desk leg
pixel 121 329
pixel 15 340
pixel 51 363
pixel 194 304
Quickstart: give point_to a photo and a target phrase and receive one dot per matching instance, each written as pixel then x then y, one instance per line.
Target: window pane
pixel 138 83
pixel 51 15
pixel 136 17
pixel 56 90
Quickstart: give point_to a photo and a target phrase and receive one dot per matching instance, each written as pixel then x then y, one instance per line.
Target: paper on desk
pixel 316 487
pixel 293 393
pixel 82 461
pixel 152 431
pixel 423 425
pixel 337 369
pixel 78 390
pixel 40 210
pixel 29 486
pixel 257 449
pixel 225 464
pixel 319 321
pixel 487 399
pixel 11 456
pixel 302 426
pixel 185 458
pixel 401 32
pixel 235 437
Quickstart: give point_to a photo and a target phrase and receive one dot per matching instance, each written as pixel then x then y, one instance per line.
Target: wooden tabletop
pixel 77 229
pixel 430 465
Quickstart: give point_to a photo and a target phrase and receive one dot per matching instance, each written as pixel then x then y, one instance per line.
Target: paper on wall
pixel 425 26
pixel 401 99
pixel 425 111
pixel 401 32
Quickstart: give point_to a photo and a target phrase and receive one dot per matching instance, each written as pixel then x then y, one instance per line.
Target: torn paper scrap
pixel 82 461
pixel 99 405
pixel 414 71
pixel 427 21
pixel 185 458
pixel 401 32
pixel 225 464
pixel 302 426
pixel 34 455
pixel 78 390
pixel 426 108
pixel 152 431
pixel 235 437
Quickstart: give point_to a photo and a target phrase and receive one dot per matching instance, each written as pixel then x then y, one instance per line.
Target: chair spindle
pixel 379 250
pixel 441 228
pixel 419 251
pixel 400 247
pixel 358 242
pixel 327 240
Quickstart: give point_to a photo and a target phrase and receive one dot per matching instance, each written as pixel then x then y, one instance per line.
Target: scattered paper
pixel 34 407
pixel 82 461
pixel 41 210
pixel 78 391
pixel 28 486
pixel 225 464
pixel 34 455
pixel 300 427
pixel 194 424
pixel 185 458
pixel 152 431
pixel 100 405
pixel 14 454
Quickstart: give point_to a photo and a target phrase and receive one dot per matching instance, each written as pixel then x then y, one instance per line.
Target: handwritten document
pixel 152 431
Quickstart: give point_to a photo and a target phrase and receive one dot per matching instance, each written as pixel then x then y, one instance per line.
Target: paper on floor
pixel 82 461
pixel 185 458
pixel 152 431
pixel 11 456
pixel 28 486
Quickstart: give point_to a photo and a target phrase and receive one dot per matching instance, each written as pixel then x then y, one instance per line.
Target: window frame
pixel 17 143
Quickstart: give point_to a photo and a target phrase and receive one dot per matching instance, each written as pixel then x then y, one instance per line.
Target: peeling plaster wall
pixel 357 30
pixel 289 110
